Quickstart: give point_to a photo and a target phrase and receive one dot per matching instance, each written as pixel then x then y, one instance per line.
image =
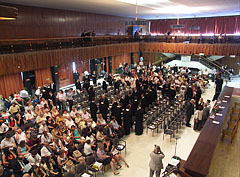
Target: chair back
pixel 90 160
pixel 80 168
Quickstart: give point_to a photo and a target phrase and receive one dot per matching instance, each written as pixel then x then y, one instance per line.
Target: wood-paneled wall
pixel 35 22
pixel 16 63
pixel 117 59
pixel 207 49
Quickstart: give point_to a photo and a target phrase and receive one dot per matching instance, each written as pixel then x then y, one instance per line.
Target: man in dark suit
pixel 189 111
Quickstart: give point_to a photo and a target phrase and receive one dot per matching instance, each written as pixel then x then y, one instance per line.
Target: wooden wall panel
pixel 207 49
pixel 117 59
pixel 16 63
pixel 65 74
pixel 34 22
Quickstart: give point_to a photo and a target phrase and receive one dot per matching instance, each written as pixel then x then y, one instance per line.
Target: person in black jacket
pixel 93 109
pixel 189 111
pixel 104 86
pixel 109 79
pixel 103 107
pixel 218 86
pixel 78 85
pixel 91 93
pixel 139 120
pixel 118 114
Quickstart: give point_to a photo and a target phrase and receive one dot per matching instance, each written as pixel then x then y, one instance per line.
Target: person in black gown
pixel 127 120
pixel 118 113
pixel 93 109
pixel 103 107
pixel 139 121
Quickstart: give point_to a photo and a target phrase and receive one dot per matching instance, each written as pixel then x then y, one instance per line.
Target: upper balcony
pixel 12 46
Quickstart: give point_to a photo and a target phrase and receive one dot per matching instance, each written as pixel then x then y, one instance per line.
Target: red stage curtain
pixel 217 25
pixel 10 83
pixel 41 75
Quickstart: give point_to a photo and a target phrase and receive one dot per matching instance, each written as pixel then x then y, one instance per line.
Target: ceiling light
pixel 8 13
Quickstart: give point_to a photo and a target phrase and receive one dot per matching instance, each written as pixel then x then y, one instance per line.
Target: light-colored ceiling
pixel 147 9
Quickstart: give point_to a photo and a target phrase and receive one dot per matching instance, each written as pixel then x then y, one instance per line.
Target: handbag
pixel 77 154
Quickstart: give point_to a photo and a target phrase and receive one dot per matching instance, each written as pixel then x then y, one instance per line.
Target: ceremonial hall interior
pixel 130 88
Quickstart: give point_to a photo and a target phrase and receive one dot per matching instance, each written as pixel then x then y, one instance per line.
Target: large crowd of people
pixel 48 134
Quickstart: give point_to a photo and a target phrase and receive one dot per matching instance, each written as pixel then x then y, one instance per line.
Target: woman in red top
pixel 12 123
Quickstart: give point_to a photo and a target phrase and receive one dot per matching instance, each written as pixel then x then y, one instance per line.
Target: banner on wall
pixel 185 58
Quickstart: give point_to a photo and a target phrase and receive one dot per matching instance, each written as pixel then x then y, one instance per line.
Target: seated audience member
pixel 12 123
pixel 88 151
pixel 76 135
pixel 20 121
pixel 43 127
pixel 86 116
pixel 8 142
pixel 30 116
pixel 23 150
pixel 106 159
pixel 20 136
pixel 14 109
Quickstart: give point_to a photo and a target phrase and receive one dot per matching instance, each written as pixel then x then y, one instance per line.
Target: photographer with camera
pixel 156 161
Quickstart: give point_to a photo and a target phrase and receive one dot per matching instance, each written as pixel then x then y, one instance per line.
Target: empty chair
pixel 151 127
pixel 167 131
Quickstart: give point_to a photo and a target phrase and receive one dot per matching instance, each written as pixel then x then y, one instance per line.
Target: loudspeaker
pixel 55 78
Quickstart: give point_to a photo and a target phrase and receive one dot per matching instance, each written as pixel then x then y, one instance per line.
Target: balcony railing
pixel 28 45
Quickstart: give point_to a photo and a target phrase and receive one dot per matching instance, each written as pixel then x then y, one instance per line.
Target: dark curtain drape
pixel 217 25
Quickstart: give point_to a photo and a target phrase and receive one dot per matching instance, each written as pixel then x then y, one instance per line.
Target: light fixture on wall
pixel 8 13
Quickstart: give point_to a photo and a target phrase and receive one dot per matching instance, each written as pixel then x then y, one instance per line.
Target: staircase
pixel 213 64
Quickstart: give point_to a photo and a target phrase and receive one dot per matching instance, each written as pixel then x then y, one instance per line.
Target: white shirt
pixel 45 152
pixel 87 149
pixel 42 128
pixel 86 116
pixel 7 143
pixel 69 123
pixel 20 137
pixel 47 139
pixel 61 97
pixel 35 160
pixel 23 94
pixel 29 116
pixel 3 128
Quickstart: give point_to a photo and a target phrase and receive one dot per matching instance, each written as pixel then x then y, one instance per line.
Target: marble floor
pixel 139 147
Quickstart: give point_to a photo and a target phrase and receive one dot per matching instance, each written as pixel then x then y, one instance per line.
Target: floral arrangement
pixel 216 108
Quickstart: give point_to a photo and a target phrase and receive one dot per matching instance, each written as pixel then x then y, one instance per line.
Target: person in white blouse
pixel 20 136
pixel 61 96
pixel 86 116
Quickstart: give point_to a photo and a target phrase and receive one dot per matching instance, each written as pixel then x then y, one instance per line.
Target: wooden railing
pixel 199 160
pixel 28 45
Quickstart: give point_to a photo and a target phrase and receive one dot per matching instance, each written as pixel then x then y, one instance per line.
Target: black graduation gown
pixel 93 109
pixel 118 114
pixel 104 86
pixel 91 94
pixel 139 122
pixel 78 85
pixel 113 109
pixel 134 107
pixel 103 107
pixel 127 121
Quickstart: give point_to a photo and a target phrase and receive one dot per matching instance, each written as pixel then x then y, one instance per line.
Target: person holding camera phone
pixel 156 161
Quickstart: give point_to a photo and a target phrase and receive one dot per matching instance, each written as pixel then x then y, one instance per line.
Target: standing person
pixel 69 96
pixel 127 120
pixel 156 161
pixel 93 109
pixel 139 120
pixel 206 112
pixel 78 85
pixel 61 96
pixel 94 77
pixel 103 107
pixel 218 87
pixel 189 111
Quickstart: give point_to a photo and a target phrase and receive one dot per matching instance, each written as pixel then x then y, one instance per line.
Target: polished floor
pixel 139 147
